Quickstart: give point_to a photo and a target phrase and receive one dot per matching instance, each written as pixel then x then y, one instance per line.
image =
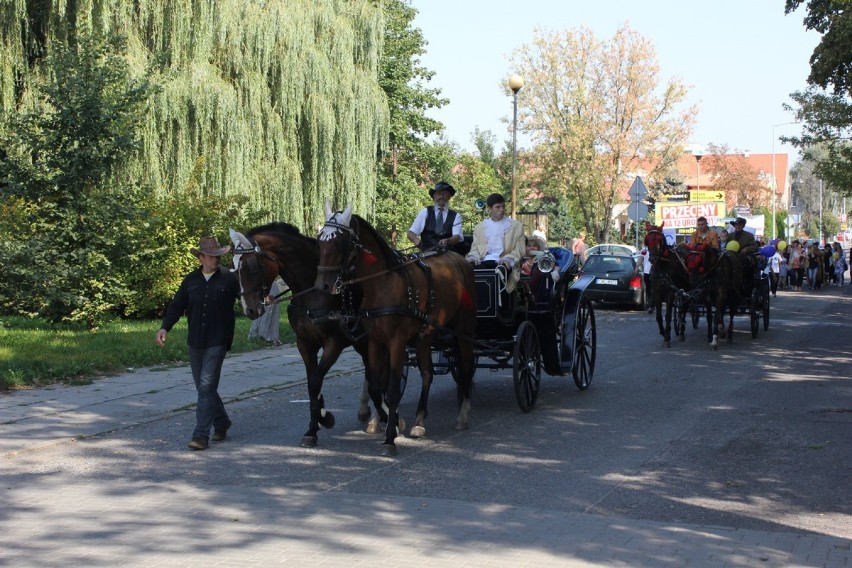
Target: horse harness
pixel 402 260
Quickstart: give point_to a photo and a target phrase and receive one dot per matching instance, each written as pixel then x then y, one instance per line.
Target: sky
pixel 740 60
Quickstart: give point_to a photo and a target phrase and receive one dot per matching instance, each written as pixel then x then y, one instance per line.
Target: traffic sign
pixel 702 196
pixel 637 211
pixel 638 191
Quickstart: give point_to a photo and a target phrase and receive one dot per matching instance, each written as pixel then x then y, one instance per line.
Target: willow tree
pixel 593 106
pixel 279 98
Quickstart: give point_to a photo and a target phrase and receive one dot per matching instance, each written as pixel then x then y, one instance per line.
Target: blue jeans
pixel 812 274
pixel 206 367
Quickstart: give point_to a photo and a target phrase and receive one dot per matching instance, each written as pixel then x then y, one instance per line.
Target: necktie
pixel 439 225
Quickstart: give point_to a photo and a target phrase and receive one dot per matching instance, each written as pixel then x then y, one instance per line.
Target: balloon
pixel 732 246
pixel 774 242
pixel 835 256
pixel 768 251
pixel 781 245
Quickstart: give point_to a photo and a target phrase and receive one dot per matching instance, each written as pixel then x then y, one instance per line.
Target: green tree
pixel 825 108
pixel 66 230
pixel 412 164
pixel 280 97
pixel 595 105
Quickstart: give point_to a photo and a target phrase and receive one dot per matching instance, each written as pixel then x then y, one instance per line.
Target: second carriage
pixel 754 302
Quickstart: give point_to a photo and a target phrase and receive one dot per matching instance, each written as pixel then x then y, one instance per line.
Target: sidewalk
pixel 53 519
pixel 34 419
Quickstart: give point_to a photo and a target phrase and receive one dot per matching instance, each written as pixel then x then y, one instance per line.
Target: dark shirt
pixel 208 306
pixel 747 243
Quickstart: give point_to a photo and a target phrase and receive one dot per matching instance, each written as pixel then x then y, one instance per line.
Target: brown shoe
pixel 198 444
pixel 221 434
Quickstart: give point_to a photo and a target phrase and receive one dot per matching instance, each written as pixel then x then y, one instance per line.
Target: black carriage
pixel 541 325
pixel 754 301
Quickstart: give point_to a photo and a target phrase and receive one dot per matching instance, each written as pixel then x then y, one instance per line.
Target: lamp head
pixel 516 82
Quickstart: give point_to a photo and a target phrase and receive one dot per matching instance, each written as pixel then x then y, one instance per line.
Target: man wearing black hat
pixel 437 225
pixel 748 245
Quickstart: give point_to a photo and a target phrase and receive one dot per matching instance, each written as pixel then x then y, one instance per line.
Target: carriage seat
pixel 492 299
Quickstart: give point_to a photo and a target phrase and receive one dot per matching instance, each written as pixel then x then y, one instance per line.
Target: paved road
pixel 674 457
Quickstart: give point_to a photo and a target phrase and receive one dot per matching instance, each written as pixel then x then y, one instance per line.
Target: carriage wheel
pixel 754 312
pixel 765 289
pixel 766 313
pixel 585 345
pixel 679 317
pixel 526 366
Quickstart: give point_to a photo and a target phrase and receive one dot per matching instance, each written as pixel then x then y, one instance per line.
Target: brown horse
pixel 668 277
pixel 427 301
pixel 718 275
pixel 317 318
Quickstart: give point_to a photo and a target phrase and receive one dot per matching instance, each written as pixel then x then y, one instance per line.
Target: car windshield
pixel 601 263
pixel 623 250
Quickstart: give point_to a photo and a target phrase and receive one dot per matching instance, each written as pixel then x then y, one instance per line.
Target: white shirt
pixel 646 261
pixel 775 262
pixel 420 221
pixel 494 232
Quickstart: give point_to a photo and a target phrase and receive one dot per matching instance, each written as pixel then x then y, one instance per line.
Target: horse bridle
pixel 665 248
pixel 250 256
pixel 348 263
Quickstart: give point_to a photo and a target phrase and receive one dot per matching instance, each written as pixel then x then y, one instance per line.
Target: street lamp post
pixel 698 155
pixel 773 186
pixel 515 83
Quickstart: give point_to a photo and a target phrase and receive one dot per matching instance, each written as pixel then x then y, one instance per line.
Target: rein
pixel 416 258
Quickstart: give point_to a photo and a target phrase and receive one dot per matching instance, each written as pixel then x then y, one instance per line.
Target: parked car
pixel 614 249
pixel 616 280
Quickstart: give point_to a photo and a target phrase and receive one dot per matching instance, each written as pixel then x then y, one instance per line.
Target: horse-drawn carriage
pixel 753 301
pixel 544 324
pixel 351 288
pixel 701 281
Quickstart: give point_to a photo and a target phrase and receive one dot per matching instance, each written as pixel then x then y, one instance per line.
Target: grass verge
pixel 34 353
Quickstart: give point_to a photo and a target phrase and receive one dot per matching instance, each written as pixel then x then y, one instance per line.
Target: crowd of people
pixel 807 265
pixel 790 266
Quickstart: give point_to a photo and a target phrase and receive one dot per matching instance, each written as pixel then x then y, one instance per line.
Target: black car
pixel 616 280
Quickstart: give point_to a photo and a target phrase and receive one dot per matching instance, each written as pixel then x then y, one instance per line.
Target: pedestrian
pixel 578 247
pixel 776 264
pixel 645 256
pixel 267 326
pixel 814 266
pixel 206 297
pixel 796 265
pixel 840 266
pixel 723 239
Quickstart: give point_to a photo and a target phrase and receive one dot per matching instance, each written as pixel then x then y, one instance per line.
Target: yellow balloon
pixel 781 245
pixel 732 246
pixel 835 256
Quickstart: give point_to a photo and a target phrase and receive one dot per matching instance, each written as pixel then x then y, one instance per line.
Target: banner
pixel 684 215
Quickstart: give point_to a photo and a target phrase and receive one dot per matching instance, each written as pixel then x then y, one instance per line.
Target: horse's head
pixel 655 241
pixel 336 242
pixel 255 272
